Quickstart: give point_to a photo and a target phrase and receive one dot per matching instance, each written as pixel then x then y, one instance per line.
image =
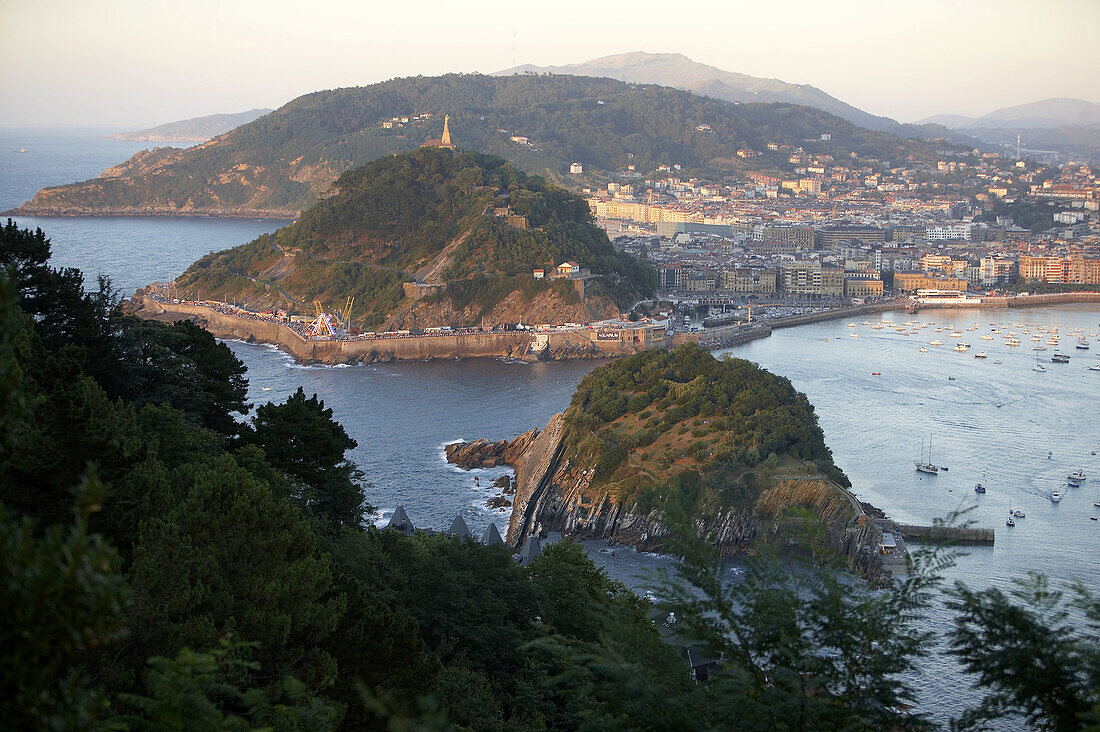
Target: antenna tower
pixel 1017 145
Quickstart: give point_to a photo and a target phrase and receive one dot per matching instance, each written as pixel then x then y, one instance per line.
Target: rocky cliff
pixel 555 494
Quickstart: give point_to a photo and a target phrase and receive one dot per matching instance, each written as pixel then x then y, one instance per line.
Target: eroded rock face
pixel 488 454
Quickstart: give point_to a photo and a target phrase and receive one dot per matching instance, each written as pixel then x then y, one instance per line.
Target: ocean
pixel 403 414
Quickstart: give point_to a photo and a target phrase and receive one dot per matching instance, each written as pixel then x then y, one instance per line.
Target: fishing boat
pixel 1077 475
pixel 925 465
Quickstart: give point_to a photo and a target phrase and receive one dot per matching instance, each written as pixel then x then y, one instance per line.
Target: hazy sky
pixel 134 63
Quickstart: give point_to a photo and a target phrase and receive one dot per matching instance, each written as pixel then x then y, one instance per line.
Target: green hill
pixel 445 218
pixel 681 422
pixel 281 163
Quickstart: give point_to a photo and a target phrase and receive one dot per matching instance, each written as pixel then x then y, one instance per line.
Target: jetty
pixel 940 534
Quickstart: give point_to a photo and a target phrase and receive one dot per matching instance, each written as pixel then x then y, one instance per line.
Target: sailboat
pixel 926 466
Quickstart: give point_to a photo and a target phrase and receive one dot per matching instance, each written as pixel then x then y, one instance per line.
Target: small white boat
pixel 980 355
pixel 1056 495
pixel 922 349
pixel 1018 513
pixel 1039 367
pixel 961 347
pixel 1010 521
pixel 1077 475
pixel 936 342
pixel 1095 368
pixel 854 335
pixel 987 337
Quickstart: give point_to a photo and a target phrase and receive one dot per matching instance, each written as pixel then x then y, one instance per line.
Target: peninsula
pixel 725 443
pixel 432 242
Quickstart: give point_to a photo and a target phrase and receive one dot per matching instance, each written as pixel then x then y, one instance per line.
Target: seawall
pixel 526 345
pixel 1024 301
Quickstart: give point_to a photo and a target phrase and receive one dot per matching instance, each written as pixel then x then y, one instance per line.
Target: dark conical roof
pixel 459 529
pixel 400 521
pixel 491 536
pixel 530 550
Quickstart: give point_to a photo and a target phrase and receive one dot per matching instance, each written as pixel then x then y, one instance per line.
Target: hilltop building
pixel 445 141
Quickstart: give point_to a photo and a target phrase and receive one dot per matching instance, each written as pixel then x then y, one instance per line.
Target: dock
pixel 947 534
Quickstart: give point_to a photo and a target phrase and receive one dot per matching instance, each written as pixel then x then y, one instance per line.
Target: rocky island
pixel 728 443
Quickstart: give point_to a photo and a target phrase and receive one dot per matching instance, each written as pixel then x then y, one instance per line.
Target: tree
pixel 201 691
pixel 1037 649
pixel 301 439
pixel 61 599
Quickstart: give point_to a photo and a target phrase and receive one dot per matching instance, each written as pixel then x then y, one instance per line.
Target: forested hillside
pixel 280 163
pixel 434 215
pixel 682 422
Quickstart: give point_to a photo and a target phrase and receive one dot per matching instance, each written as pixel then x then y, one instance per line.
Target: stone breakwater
pixel 554 494
pixel 517 345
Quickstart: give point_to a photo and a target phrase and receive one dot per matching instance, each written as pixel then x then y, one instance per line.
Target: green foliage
pixel 385 221
pixel 192 691
pixel 1036 648
pixel 300 439
pixel 802 644
pixel 737 413
pixel 62 599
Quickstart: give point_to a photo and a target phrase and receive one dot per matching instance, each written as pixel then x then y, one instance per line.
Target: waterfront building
pixel 913 281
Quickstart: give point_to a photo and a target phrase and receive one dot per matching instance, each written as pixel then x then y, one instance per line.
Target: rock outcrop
pixel 487 454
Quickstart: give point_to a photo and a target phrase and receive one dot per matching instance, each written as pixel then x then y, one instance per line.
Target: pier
pixel 946 534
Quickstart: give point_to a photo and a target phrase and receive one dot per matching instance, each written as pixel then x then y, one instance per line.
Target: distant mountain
pixel 198 129
pixel 1043 114
pixel 282 162
pixel 679 71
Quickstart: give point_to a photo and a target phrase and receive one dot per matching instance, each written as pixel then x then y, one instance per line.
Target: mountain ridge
pixel 195 129
pixel 283 162
pixel 679 71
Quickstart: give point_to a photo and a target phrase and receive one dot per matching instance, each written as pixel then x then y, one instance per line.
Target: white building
pixel 576 169
pixel 949 231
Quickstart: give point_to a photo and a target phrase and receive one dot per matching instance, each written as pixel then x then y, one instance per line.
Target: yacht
pixel 1082 345
pixel 1012 342
pixel 960 346
pixel 1095 368
pixel 1059 358
pixel 1056 495
pixel 1038 367
pixel 980 355
pixel 1077 475
pixel 926 466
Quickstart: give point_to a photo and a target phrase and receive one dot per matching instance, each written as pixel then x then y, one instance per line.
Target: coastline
pixel 273 214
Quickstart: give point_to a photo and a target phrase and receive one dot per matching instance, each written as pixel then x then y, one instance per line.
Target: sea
pixel 880 401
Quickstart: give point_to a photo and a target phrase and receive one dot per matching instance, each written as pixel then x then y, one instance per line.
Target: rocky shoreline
pixel 553 494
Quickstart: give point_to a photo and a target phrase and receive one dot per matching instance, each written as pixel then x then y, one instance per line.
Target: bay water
pixel 877 398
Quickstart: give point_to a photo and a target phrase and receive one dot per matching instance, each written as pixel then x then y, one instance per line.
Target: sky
pixel 137 63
